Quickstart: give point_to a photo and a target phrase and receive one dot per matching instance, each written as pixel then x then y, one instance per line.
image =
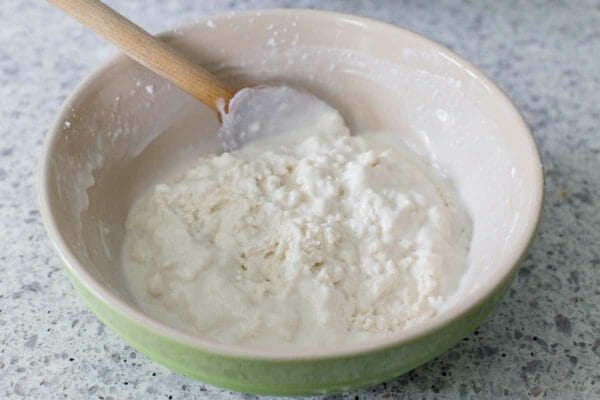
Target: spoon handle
pixel 148 50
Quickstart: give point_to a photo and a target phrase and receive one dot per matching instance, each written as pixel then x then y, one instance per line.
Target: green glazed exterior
pixel 291 377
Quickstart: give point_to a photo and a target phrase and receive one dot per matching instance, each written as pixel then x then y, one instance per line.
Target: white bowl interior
pixel 127 128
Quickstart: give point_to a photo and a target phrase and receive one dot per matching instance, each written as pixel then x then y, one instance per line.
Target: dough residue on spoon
pixel 265 111
pixel 306 239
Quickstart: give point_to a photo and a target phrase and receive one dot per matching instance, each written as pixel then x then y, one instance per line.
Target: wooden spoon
pixel 273 109
pixel 148 50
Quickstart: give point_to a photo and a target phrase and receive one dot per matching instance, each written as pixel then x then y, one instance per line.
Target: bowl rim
pixel 148 323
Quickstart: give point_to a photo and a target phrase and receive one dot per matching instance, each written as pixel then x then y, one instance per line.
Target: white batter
pixel 304 240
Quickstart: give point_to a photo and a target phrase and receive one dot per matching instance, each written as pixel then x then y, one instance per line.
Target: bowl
pixel 125 128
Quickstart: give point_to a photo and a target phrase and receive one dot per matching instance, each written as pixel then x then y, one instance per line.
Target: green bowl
pixel 124 128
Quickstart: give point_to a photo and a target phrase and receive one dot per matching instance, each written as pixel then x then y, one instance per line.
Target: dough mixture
pixel 303 240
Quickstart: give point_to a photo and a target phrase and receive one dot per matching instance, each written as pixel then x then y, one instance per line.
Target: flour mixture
pixel 302 240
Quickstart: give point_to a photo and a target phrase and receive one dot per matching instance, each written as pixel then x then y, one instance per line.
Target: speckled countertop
pixel 543 341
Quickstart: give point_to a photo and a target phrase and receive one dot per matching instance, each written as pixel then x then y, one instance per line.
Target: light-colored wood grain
pixel 148 50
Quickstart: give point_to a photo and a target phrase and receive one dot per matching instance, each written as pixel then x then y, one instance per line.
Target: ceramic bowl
pixel 124 129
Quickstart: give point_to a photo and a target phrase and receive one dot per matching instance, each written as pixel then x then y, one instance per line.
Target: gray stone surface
pixel 542 342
